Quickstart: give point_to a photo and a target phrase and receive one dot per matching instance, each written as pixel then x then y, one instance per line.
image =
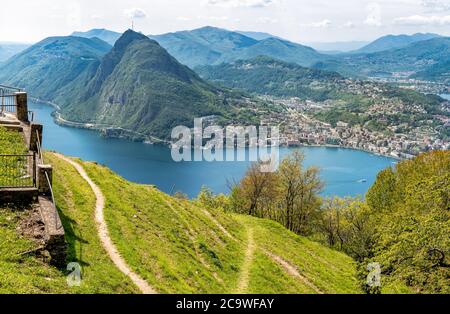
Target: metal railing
pixel 18 171
pixel 39 148
pixel 40 160
pixel 8 99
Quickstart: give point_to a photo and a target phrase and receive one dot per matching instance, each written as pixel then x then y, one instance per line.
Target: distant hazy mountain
pixel 106 35
pixel 394 41
pixel 265 75
pixel 258 35
pixel 210 45
pixel 201 46
pixel 48 66
pixel 278 49
pixel 9 49
pixel 407 61
pixel 139 86
pixel 337 47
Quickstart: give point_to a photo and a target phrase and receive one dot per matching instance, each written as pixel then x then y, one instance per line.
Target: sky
pixel 297 20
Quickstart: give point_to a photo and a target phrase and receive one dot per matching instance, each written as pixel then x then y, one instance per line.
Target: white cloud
pixel 96 16
pixel 241 3
pixel 218 18
pixel 266 20
pixel 321 24
pixel 436 5
pixel 418 20
pixel 183 18
pixel 349 24
pixel 73 18
pixel 136 13
pixel 374 15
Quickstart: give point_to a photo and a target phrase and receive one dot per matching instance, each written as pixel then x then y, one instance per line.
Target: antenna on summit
pixel 132 24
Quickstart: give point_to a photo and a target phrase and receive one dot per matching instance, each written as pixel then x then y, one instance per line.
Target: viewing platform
pixel 25 178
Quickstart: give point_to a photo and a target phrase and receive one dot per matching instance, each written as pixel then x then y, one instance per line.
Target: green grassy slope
pixel 178 246
pixel 23 273
pixel 175 245
pixel 11 142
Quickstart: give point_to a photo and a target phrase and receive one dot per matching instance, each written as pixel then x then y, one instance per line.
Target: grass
pixel 330 271
pixel 26 274
pixel 13 169
pixel 178 246
pixel 12 142
pixel 171 243
pixel 175 245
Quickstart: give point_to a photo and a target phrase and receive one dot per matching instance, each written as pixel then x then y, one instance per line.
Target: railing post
pixel 34 170
pixel 35 136
pixel 44 186
pixel 22 106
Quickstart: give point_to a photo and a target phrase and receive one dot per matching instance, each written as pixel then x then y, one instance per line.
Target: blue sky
pixel 297 20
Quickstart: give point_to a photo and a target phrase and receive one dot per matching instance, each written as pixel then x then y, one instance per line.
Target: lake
pixel 341 169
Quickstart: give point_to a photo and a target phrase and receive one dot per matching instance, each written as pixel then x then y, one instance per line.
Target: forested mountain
pixel 264 75
pixel 139 86
pixel 48 66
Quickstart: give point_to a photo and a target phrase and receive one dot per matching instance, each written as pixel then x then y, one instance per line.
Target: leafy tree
pixel 256 192
pixel 289 195
pixel 414 226
pixel 299 193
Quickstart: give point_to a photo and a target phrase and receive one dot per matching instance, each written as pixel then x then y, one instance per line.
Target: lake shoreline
pixel 342 169
pixel 107 132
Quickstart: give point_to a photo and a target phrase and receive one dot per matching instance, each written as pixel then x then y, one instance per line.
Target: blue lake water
pixel 341 169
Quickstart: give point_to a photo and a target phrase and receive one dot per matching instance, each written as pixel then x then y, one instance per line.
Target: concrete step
pixel 9 122
pixel 21 196
pixel 50 216
pixel 55 242
pixel 12 127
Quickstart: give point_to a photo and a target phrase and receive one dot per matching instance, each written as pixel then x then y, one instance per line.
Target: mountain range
pixel 135 86
pixel 418 55
pixel 210 45
pixel 141 88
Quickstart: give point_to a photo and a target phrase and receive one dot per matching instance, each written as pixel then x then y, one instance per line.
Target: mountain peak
pixel 128 37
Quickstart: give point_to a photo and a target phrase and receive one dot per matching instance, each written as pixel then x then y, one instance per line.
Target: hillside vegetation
pixel 176 245
pixel 267 76
pixel 50 65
